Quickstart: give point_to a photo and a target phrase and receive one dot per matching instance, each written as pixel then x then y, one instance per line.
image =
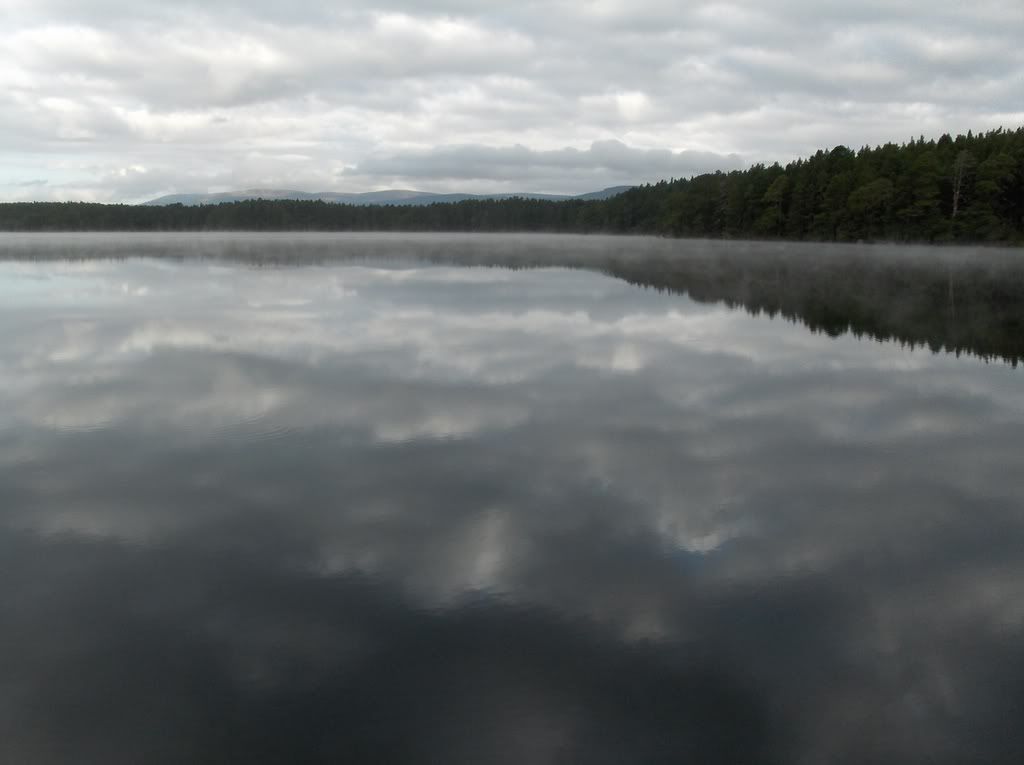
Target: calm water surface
pixel 405 499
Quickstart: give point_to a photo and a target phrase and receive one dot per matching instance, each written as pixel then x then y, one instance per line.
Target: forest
pixel 964 189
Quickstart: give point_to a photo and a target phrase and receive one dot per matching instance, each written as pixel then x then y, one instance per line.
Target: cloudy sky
pixel 119 100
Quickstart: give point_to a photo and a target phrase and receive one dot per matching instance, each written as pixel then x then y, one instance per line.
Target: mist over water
pixel 509 499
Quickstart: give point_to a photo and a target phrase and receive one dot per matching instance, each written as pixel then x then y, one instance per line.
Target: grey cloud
pixel 604 159
pixel 200 94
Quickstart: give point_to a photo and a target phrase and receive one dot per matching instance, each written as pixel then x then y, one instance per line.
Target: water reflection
pixel 956 299
pixel 399 510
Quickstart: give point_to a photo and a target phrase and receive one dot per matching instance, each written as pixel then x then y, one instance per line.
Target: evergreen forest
pixel 964 189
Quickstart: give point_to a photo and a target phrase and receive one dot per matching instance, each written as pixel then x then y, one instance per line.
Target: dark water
pixel 362 499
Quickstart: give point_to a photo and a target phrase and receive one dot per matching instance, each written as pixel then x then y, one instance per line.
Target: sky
pixel 117 100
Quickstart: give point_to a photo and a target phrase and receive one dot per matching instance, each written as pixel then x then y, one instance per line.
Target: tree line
pixel 964 189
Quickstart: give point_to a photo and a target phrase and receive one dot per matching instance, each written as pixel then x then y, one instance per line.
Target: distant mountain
pixel 608 193
pixel 388 197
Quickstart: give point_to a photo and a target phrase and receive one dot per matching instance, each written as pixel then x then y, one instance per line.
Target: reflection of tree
pixel 957 307
pixel 960 301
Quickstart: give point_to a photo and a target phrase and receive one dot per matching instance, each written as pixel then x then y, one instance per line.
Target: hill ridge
pixel 385 196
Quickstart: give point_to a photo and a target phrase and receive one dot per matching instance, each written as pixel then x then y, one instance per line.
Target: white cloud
pixel 259 94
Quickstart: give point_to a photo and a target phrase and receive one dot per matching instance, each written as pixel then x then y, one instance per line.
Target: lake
pixel 509 499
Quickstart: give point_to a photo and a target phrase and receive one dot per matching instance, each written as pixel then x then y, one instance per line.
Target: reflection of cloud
pixel 412 364
pixel 330 667
pixel 739 525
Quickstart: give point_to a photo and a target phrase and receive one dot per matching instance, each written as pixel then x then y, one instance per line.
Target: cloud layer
pixel 122 101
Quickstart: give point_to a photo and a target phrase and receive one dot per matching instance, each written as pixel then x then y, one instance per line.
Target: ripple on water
pixel 254 429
